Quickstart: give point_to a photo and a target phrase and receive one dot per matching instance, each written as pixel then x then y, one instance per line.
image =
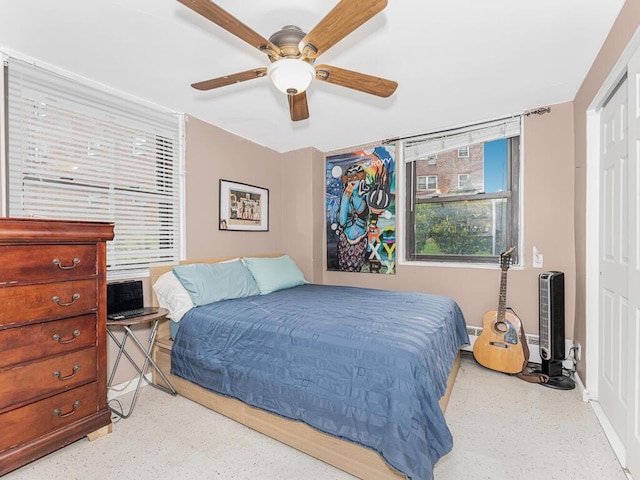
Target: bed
pixel 342 375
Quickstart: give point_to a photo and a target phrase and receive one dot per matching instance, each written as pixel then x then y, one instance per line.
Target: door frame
pixel 592 261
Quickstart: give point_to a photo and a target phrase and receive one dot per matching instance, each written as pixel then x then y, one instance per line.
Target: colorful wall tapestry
pixel 361 211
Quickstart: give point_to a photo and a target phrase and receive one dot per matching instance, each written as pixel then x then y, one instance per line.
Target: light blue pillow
pixel 275 273
pixel 211 282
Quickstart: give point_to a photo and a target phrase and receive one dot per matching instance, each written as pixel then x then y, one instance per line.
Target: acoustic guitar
pixel 502 345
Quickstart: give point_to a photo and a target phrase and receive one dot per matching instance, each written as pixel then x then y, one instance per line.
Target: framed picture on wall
pixel 243 207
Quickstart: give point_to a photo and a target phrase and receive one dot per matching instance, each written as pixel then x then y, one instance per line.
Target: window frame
pixel 511 194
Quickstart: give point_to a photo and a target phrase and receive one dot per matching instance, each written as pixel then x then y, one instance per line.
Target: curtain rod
pixel 536 111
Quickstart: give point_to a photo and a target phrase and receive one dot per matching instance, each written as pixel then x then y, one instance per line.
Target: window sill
pixel 481 266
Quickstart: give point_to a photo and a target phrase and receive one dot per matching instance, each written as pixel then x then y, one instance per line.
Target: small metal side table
pixel 126 325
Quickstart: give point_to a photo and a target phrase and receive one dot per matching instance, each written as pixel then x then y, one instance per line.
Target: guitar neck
pixel 502 301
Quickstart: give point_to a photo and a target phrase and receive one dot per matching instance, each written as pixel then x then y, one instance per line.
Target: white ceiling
pixel 456 61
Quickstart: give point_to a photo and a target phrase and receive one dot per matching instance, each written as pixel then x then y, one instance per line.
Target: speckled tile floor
pixel 503 428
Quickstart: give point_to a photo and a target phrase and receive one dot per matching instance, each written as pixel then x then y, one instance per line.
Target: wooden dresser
pixel 53 357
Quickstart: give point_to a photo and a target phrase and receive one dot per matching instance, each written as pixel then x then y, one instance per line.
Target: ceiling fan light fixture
pixel 291 75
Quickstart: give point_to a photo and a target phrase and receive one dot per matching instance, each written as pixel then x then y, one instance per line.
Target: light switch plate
pixel 538 259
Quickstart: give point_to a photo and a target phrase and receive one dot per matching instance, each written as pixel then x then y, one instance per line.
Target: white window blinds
pixel 81 153
pixel 421 148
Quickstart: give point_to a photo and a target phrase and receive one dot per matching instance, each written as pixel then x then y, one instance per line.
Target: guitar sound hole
pixel 501 327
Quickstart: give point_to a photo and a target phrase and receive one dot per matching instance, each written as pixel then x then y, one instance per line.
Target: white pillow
pixel 172 296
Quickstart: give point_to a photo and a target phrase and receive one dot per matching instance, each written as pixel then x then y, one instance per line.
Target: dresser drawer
pixel 29 381
pixel 23 304
pixel 30 342
pixel 30 263
pixel 32 421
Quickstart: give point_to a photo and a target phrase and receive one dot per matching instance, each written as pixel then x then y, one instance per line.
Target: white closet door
pixel 614 257
pixel 619 289
pixel 632 442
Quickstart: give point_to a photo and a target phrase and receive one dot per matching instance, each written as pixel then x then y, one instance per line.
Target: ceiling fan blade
pixel 345 17
pixel 220 17
pixel 230 79
pixel 355 80
pixel 298 106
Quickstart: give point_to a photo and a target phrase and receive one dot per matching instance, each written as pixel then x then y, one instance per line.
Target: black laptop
pixel 125 300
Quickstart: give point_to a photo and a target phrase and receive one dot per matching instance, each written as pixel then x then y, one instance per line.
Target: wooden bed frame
pixel 359 461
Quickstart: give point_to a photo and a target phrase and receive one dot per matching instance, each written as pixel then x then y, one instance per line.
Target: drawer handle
pixel 57 262
pixel 58 338
pixel 58 413
pixel 56 299
pixel 58 374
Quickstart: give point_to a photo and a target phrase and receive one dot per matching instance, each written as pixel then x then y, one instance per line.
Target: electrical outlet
pixel 577 349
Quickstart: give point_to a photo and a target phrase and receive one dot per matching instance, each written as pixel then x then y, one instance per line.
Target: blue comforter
pixel 361 364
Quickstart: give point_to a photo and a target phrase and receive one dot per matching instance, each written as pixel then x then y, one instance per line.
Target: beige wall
pixel 213 154
pixel 302 203
pixel 625 26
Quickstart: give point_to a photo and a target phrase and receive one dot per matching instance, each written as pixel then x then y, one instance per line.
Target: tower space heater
pixel 551 312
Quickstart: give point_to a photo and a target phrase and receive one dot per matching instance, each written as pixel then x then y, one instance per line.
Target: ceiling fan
pixel 293 52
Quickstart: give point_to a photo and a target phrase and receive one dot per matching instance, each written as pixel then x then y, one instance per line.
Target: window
pixel 475 214
pixel 427 182
pixel 463 180
pixel 80 153
pixel 463 152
